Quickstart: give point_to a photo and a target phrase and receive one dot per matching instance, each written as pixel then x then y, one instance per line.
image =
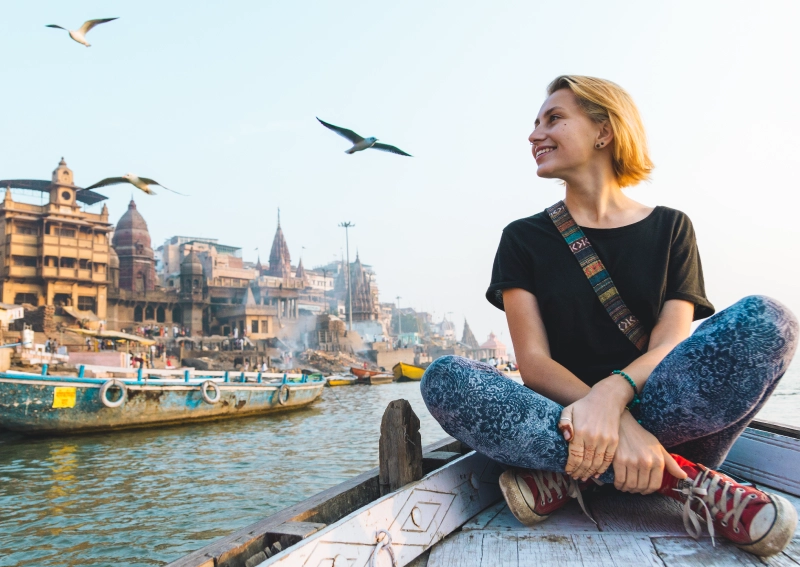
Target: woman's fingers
pixel 620 475
pixel 575 458
pixel 671 466
pixel 656 474
pixel 608 458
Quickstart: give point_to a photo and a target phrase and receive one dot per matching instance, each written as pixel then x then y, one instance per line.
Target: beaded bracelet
pixel 636 401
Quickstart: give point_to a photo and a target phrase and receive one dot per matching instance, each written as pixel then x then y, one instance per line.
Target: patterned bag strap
pixel 598 276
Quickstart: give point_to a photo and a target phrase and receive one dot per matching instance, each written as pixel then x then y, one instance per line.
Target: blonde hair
pixel 605 101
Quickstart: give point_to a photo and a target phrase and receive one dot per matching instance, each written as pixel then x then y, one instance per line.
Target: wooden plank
pixel 766 458
pixel 568 520
pixel 482 519
pixel 686 552
pixel 548 550
pixel 622 512
pixel 499 550
pixel 417 516
pixel 774 427
pixel 437 459
pixel 605 549
pixel 459 550
pixel 400 447
pixel 324 507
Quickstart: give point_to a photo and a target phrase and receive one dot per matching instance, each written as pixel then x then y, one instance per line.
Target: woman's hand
pixel 591 426
pixel 640 459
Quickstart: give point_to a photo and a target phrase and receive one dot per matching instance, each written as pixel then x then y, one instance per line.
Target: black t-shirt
pixel 650 261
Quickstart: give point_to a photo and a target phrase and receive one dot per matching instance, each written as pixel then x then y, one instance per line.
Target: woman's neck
pixel 598 202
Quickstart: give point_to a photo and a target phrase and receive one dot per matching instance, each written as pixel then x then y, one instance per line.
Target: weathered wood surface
pixel 400 447
pixel 325 507
pixel 766 458
pixel 417 516
pixel 631 530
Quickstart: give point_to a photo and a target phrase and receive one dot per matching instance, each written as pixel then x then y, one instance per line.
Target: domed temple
pixel 137 264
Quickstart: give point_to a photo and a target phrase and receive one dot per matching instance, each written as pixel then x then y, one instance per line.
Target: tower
pixel 62 191
pixel 280 262
pixel 191 295
pixel 137 264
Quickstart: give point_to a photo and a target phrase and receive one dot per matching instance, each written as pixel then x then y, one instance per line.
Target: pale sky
pixel 218 100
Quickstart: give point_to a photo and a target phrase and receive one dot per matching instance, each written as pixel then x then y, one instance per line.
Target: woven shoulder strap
pixel 598 276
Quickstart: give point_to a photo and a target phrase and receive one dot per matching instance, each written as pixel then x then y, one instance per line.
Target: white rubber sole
pixel 513 493
pixel 781 533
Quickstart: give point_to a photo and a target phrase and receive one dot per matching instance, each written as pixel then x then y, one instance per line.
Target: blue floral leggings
pixel 696 402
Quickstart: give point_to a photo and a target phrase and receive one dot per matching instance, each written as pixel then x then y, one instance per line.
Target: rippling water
pixel 149 497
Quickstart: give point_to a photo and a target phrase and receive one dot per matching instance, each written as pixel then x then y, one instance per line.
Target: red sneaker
pixel 755 521
pixel 533 495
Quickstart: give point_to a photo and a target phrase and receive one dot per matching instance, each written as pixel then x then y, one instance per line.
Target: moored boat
pixel 376 379
pixel 407 372
pixel 455 515
pixel 363 372
pixel 339 380
pixel 126 398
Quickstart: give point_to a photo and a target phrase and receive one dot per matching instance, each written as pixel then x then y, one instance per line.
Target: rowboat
pixel 454 516
pixel 38 404
pixel 363 372
pixel 407 372
pixel 376 379
pixel 338 380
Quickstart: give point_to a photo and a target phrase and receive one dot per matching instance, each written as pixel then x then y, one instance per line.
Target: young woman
pixel 616 390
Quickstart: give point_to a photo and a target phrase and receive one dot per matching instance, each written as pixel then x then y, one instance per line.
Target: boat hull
pixel 363 373
pixel 407 372
pixel 341 381
pixel 26 405
pixel 376 380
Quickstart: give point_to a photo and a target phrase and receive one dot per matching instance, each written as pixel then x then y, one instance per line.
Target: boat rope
pixel 384 539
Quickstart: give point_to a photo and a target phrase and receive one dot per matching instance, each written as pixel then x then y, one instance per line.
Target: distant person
pixel 600 292
pixel 264 367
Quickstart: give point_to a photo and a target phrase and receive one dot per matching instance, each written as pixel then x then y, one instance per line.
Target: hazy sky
pixel 218 101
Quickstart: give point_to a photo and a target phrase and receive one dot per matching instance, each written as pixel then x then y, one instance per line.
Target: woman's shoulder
pixel 539 221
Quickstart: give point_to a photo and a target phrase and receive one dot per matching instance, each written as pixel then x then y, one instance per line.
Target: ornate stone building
pixel 137 267
pixel 280 262
pixel 55 254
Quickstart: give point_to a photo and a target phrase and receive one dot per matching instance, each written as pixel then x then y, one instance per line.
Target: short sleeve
pixel 513 268
pixel 685 271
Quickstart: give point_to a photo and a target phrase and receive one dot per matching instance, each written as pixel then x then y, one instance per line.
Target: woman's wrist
pixel 616 390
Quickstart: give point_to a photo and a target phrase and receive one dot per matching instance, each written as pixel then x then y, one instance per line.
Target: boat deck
pixel 632 530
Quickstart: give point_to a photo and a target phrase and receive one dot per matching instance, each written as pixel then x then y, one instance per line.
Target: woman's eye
pixel 554 117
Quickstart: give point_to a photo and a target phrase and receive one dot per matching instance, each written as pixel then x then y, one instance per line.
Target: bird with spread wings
pixel 360 143
pixel 79 35
pixel 142 183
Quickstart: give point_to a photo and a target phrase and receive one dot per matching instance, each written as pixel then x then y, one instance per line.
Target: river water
pixel 148 497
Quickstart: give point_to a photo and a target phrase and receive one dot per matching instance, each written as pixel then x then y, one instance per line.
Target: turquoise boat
pixel 107 399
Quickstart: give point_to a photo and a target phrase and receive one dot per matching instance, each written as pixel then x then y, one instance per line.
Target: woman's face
pixel 564 137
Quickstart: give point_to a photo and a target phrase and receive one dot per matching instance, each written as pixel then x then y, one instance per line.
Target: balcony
pixel 84 274
pixel 22 271
pixel 30 239
pixel 49 272
pixel 100 278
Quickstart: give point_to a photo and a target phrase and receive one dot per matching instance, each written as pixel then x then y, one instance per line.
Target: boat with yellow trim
pixel 339 380
pixel 407 372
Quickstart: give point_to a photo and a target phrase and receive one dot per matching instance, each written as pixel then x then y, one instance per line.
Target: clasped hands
pixel 601 433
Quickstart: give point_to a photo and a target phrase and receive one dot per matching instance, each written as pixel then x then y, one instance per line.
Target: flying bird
pixel 142 183
pixel 79 35
pixel 360 143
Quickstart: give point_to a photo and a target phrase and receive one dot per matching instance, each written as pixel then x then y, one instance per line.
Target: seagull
pixel 142 183
pixel 79 35
pixel 360 143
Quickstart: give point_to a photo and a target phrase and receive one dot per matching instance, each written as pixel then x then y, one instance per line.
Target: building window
pixel 21 298
pixel 65 195
pixel 86 303
pixel 161 315
pixel 61 299
pixel 65 232
pixel 137 314
pixel 149 313
pixel 26 229
pixel 27 261
pixel 254 326
pixel 177 315
pixel 84 264
pixel 67 262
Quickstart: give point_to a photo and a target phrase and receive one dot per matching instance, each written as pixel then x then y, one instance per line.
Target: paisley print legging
pixel 696 402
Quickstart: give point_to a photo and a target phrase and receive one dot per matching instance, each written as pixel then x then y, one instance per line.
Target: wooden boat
pixel 363 372
pixel 407 372
pixel 376 379
pixel 338 380
pixel 418 524
pixel 123 398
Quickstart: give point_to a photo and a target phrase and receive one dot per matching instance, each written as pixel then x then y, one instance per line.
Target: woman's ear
pixel 605 135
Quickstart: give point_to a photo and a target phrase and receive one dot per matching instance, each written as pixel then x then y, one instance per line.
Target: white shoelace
pixel 547 481
pixel 702 490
